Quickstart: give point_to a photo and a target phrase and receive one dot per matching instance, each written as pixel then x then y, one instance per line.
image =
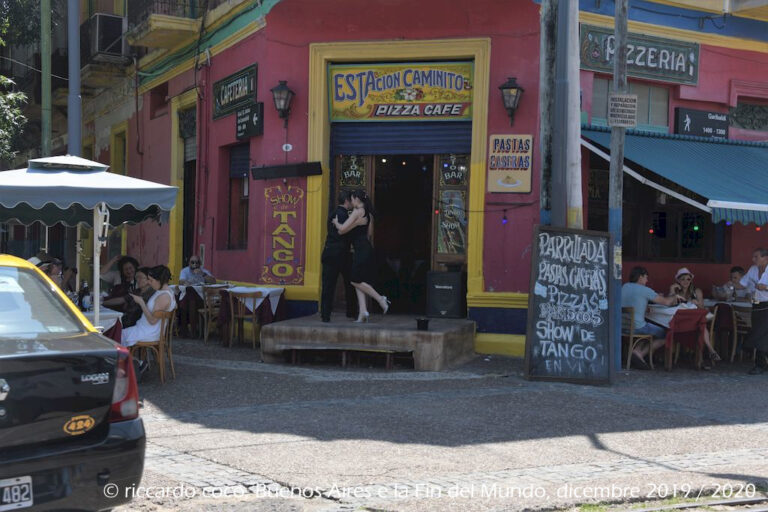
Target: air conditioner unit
pixel 107 41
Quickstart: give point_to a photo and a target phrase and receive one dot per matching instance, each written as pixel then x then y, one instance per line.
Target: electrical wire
pixel 32 67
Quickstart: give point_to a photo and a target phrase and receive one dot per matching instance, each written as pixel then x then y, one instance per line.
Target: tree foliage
pixel 11 119
pixel 23 19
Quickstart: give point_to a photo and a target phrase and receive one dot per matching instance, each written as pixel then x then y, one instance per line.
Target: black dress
pixel 363 267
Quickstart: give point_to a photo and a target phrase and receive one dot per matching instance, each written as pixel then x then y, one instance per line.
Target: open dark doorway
pixel 403 189
pixel 188 237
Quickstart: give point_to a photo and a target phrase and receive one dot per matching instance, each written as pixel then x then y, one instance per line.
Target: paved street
pixel 231 433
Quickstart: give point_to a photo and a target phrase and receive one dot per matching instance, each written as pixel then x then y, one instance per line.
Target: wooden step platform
pixel 447 343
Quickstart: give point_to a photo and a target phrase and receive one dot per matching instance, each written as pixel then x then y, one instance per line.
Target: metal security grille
pixel 401 138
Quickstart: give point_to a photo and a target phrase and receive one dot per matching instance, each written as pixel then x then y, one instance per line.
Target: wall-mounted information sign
pixel 701 123
pixel 425 91
pixel 249 121
pixel 234 91
pixel 649 57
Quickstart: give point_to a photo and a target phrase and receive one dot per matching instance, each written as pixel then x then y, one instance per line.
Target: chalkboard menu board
pixel 568 334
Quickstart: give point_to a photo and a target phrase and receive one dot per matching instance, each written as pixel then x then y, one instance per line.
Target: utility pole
pixel 45 83
pixel 566 168
pixel 45 87
pixel 559 131
pixel 615 196
pixel 575 212
pixel 74 107
pixel 546 104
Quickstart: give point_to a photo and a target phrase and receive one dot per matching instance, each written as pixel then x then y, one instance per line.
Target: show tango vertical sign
pixel 284 250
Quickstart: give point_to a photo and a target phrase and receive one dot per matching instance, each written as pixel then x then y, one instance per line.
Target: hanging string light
pixel 504 218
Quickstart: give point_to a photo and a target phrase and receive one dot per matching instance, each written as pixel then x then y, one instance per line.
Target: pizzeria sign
pixel 426 91
pixel 654 58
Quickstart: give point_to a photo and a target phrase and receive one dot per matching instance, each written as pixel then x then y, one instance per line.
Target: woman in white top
pixel 148 326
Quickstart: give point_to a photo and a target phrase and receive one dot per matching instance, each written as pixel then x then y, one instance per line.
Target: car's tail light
pixel 125 397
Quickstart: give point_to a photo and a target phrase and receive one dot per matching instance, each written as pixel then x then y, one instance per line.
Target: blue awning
pixel 731 175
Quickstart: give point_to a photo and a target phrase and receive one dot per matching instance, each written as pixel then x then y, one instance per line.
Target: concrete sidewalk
pixel 237 434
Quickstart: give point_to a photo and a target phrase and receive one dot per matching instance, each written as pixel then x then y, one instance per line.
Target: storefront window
pixel 657 227
pixel 239 164
pixel 652 104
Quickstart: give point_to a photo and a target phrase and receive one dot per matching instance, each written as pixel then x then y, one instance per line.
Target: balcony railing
pixel 140 10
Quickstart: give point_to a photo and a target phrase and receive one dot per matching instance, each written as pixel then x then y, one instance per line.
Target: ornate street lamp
pixel 510 94
pixel 282 96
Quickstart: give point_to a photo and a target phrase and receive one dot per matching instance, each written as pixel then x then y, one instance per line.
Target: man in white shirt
pixel 195 274
pixel 192 275
pixel 756 280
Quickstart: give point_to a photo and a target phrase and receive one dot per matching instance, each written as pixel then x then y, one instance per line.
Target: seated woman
pixel 683 287
pixel 117 296
pixel 65 278
pixel 133 310
pixel 147 328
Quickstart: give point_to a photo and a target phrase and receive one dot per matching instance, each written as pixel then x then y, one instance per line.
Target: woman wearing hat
pixel 683 287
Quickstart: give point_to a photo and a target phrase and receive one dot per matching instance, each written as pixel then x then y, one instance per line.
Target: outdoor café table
pixel 180 291
pixel 710 303
pixel 107 317
pixel 269 307
pixel 662 315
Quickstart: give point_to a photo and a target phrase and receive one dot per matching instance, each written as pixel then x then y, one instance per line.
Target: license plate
pixel 15 493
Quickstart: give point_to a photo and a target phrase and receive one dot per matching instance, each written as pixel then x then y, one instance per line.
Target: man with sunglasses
pixel 195 274
pixel 191 302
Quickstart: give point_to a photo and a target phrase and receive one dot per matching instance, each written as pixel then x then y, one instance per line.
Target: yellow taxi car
pixel 69 411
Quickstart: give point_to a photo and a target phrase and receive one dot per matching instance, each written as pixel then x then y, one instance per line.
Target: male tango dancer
pixel 337 259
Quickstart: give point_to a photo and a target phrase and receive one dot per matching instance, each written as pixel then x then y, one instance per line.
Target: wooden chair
pixel 239 313
pixel 628 332
pixel 686 322
pixel 210 309
pixel 724 321
pixel 161 346
pixel 743 321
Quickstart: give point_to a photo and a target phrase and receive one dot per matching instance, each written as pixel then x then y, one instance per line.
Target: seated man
pixel 192 275
pixel 635 294
pixel 734 286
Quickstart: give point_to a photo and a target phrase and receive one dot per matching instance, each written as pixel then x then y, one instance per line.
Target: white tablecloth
pixel 741 303
pixel 273 294
pixel 107 317
pixel 182 290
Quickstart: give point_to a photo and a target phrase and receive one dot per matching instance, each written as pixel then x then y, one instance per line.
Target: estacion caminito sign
pixel 426 91
pixel 649 57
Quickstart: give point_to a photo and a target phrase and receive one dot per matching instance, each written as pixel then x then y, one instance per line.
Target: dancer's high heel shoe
pixel 362 319
pixel 385 305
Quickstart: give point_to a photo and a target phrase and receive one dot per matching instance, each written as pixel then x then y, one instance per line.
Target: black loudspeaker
pixel 446 295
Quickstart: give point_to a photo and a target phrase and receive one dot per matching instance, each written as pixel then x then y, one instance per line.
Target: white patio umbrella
pixel 72 190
